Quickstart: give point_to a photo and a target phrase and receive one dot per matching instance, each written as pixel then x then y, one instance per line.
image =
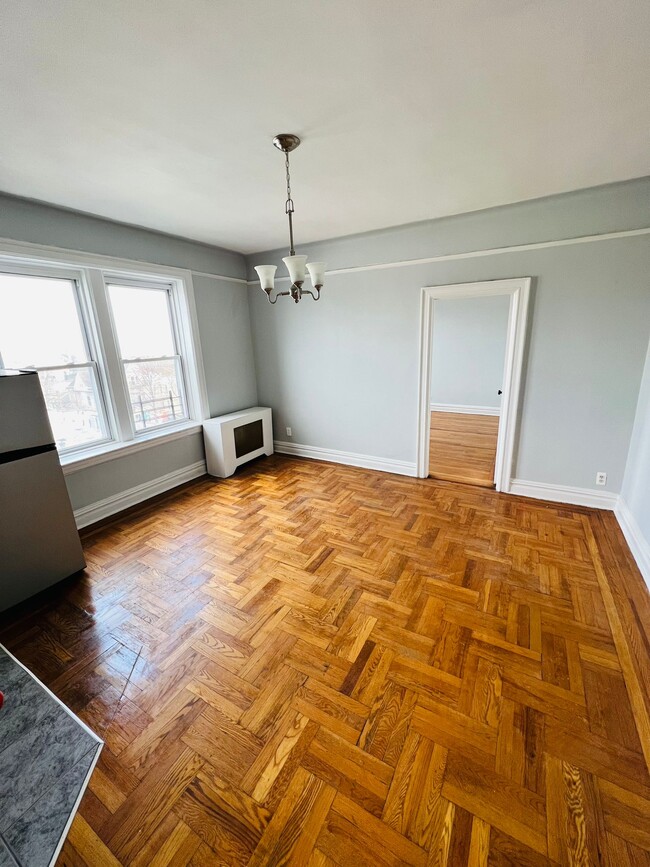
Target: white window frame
pixel 174 309
pixel 93 273
pixel 88 334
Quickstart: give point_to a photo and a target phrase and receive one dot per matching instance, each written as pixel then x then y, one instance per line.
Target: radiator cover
pixel 233 439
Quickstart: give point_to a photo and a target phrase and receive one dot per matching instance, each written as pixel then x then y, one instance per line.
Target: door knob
pixel 499 391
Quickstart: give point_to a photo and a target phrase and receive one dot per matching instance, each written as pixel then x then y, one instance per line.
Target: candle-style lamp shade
pixel 317 273
pixel 266 273
pixel 296 267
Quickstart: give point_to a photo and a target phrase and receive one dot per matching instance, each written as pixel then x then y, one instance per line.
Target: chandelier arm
pixel 316 296
pixel 278 295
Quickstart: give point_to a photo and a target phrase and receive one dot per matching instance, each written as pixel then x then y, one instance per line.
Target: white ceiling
pixel 161 113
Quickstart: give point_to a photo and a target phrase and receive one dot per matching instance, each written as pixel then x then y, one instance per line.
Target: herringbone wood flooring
pixel 312 664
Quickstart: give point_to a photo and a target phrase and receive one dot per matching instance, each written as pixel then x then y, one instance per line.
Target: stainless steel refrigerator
pixel 39 542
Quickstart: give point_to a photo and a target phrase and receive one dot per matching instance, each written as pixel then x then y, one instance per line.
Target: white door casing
pixel 519 291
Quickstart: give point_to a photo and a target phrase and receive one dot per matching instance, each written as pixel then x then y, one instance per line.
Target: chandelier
pixel 287 142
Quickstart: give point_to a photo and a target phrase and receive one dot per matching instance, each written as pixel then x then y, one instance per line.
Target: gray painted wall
pixel 468 350
pixel 40 223
pixel 343 372
pixel 226 344
pixel 224 327
pixel 636 485
pixel 90 485
pixel 611 208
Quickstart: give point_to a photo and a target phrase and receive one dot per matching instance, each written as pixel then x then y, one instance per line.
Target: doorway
pixel 468 409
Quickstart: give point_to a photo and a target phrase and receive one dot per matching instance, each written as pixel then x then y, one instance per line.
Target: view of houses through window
pixel 72 404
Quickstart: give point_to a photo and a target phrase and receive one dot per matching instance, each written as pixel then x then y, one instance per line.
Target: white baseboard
pixel 564 494
pixel 465 409
pixel 637 543
pixel 125 499
pixel 385 465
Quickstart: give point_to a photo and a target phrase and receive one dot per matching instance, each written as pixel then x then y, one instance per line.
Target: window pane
pixel 142 321
pixel 155 392
pixel 39 322
pixel 73 406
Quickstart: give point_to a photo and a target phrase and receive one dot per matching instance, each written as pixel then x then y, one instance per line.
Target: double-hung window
pixel 116 351
pixel 43 327
pixel 151 362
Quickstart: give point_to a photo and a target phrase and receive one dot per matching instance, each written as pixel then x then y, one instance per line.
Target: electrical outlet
pixel 289 434
pixel 601 478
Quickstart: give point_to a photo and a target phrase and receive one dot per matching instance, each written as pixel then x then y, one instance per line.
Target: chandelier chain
pixel 289 204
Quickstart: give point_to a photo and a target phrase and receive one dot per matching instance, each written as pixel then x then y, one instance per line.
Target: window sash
pixel 172 313
pixel 87 327
pixel 182 396
pixel 152 286
pixel 73 278
pixel 93 367
pixel 72 366
pixel 132 360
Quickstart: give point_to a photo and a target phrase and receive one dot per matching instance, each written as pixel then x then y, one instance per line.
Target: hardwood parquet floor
pixel 312 664
pixel 463 447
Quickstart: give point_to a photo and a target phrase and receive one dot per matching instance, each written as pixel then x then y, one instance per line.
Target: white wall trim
pixel 132 496
pixel 564 494
pixel 220 277
pixel 489 251
pixel 638 545
pixel 351 459
pixel 59 255
pixel 49 254
pixel 465 409
pixel 518 289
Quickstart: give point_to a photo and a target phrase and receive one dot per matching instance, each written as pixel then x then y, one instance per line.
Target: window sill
pixel 110 451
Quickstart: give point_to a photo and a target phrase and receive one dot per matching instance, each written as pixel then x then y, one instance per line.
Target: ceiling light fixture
pixel 287 142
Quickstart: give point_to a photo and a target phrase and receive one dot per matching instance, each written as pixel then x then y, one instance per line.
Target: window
pixel 42 328
pixel 149 354
pixel 116 350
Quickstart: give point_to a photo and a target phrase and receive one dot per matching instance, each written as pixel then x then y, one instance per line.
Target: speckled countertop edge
pixel 7 856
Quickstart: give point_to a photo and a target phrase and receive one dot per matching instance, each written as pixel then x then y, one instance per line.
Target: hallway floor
pixel 462 448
